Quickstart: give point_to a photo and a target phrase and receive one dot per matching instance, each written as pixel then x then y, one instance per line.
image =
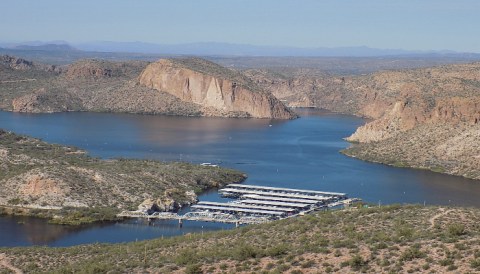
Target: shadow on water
pixel 301 153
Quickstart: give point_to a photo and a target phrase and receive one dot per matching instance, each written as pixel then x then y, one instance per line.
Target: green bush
pixel 412 253
pixel 186 257
pixel 456 230
pixel 194 269
pixel 244 252
pixel 356 262
pixel 475 263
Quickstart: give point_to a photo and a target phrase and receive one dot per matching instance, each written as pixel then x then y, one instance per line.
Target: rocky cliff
pixel 188 87
pixel 411 112
pixel 219 90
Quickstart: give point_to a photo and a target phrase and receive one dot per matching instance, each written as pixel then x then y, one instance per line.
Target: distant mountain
pixel 47 47
pixel 227 49
pixel 223 49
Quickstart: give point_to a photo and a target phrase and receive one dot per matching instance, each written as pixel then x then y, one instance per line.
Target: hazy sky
pixel 406 24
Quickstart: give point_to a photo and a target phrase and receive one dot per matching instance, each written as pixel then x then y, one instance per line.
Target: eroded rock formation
pixel 424 118
pixel 213 87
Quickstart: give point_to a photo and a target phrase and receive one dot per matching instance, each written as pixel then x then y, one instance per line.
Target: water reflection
pixel 31 231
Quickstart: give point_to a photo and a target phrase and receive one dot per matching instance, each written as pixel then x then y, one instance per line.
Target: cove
pixel 301 153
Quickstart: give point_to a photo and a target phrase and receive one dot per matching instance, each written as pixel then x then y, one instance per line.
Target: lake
pixel 302 153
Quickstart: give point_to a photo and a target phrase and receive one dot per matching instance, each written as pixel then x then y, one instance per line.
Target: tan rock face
pixel 42 101
pixel 221 94
pixel 38 185
pixel 425 118
pixel 402 100
pixel 166 202
pixel 90 69
pixel 28 103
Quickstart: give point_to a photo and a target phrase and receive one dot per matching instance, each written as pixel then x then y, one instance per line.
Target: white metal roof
pixel 265 193
pixel 239 205
pixel 237 209
pixel 287 189
pixel 280 199
pixel 259 202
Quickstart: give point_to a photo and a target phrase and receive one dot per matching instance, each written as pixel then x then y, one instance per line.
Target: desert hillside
pixel 38 175
pixel 390 239
pixel 425 118
pixel 134 87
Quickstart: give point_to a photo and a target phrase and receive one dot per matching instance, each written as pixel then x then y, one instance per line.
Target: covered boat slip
pixel 240 205
pixel 235 193
pixel 279 204
pixel 253 205
pixel 286 190
pixel 281 199
pixel 258 201
pixel 238 210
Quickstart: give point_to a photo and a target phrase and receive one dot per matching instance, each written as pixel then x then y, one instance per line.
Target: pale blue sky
pixel 405 24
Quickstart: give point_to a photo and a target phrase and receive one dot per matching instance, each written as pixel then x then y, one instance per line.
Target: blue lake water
pixel 302 153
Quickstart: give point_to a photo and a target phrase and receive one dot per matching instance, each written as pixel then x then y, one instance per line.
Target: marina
pixel 263 205
pixel 297 154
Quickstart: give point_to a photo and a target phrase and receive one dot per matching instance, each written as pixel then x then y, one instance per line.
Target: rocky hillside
pixel 405 105
pixel 98 85
pixel 218 89
pixel 391 239
pixel 35 174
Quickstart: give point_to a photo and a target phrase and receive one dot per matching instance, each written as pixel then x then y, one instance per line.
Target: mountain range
pixel 222 49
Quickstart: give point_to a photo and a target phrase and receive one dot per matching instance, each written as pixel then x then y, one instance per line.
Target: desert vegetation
pixel 47 179
pixel 389 239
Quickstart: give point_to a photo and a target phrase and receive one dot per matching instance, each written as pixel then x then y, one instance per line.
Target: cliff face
pixel 425 118
pixel 188 87
pixel 407 99
pixel 218 94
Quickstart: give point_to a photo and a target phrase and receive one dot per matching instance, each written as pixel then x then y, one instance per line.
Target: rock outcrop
pixel 41 101
pixel 21 64
pixel 218 89
pixel 88 69
pixel 186 87
pixel 411 112
pixel 403 100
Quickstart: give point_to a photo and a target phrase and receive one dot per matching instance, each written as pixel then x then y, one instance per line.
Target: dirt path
pixel 5 263
pixel 17 81
pixel 435 217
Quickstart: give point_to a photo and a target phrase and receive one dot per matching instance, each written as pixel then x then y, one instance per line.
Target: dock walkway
pixel 254 204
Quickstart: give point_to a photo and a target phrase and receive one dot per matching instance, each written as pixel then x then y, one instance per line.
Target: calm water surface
pixel 302 153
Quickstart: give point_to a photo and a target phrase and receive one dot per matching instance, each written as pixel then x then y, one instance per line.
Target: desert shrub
pixel 186 257
pixel 194 269
pixel 278 250
pixel 456 230
pixel 411 253
pixel 357 262
pixel 308 264
pixel 244 252
pixel 475 263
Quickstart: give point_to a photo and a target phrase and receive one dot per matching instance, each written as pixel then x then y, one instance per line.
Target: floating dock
pixel 238 193
pixel 286 190
pixel 254 204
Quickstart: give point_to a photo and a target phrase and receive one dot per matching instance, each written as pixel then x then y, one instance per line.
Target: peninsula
pixel 50 180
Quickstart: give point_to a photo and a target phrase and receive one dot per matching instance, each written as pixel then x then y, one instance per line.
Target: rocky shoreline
pixel 422 118
pixel 69 186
